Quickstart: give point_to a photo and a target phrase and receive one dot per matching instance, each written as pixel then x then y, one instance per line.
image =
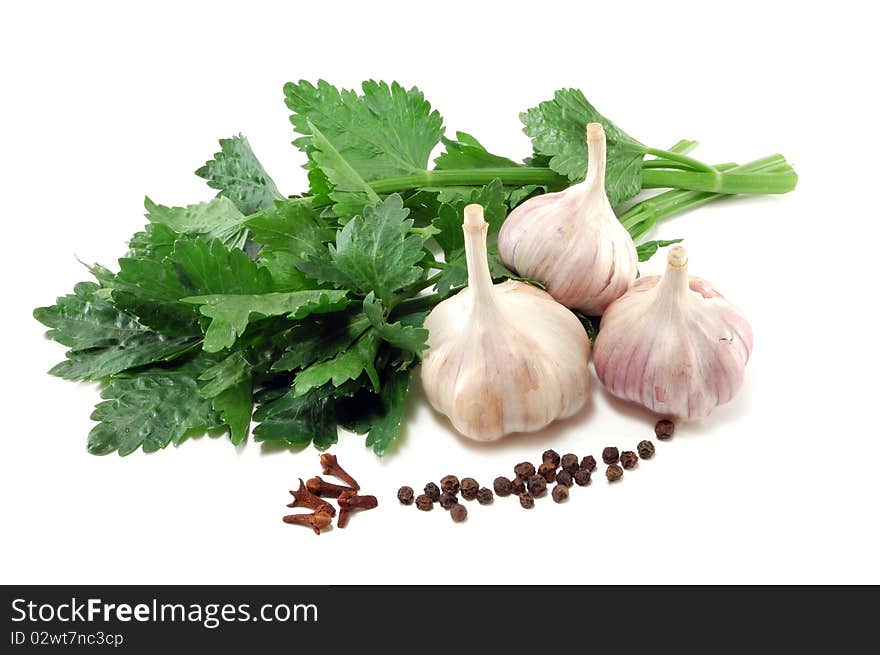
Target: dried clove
pixel 405 495
pixel 547 470
pixel 628 459
pixel 450 484
pixel 589 463
pixel 330 466
pixel 502 485
pixel 646 449
pixel 469 488
pixel 302 497
pixel 317 521
pixel 664 428
pixel 570 462
pixel 613 473
pixel 350 500
pixel 551 456
pixel 560 492
pixel 321 487
pixel 485 496
pixel 610 455
pixel 432 491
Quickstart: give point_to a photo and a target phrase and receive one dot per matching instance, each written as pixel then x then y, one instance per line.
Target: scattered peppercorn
pixel 432 491
pixel 502 486
pixel 570 462
pixel 646 449
pixel 664 428
pixel 547 470
pixel 550 456
pixel 469 488
pixel 564 477
pixel 405 495
pixel 589 463
pixel 537 486
pixel 517 486
pixel 613 473
pixel 560 492
pixel 449 484
pixel 485 496
pixel 610 455
pixel 524 470
pixel 447 500
pixel 628 459
pixel 527 501
pixel 458 513
pixel 424 503
pixel 582 477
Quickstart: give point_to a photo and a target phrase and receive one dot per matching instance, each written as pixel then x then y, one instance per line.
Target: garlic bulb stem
pixel 595 178
pixel 675 282
pixel 479 279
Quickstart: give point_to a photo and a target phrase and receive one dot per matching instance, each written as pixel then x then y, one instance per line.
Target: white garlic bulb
pixel 502 358
pixel 673 344
pixel 571 241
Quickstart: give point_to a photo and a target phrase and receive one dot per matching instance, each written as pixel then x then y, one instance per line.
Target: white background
pixel 103 103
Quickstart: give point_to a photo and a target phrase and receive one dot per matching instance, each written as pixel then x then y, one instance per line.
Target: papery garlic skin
pixel 571 241
pixel 502 358
pixel 673 344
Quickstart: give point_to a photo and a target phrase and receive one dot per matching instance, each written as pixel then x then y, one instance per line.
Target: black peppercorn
pixel 405 495
pixel 589 463
pixel 537 486
pixel 610 455
pixel 628 459
pixel 517 486
pixel 425 503
pixel 527 501
pixel 560 492
pixel 459 513
pixel 550 456
pixel 547 470
pixel 646 449
pixel 613 473
pixel 502 486
pixel 469 488
pixel 524 470
pixel 664 428
pixel 449 484
pixel 582 477
pixel 564 478
pixel 570 463
pixel 485 496
pixel 447 500
pixel 432 491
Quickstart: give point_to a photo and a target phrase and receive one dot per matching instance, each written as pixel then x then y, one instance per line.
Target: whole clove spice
pixel 628 459
pixel 405 495
pixel 610 455
pixel 517 486
pixel 589 463
pixel 613 473
pixel 349 501
pixel 485 496
pixel 317 521
pixel 459 513
pixel 570 462
pixel 526 501
pixel 330 466
pixel 524 470
pixel 547 470
pixel 469 488
pixel 664 428
pixel 449 484
pixel 560 492
pixel 646 449
pixel 325 489
pixel 537 486
pixel 502 486
pixel 424 503
pixel 302 497
pixel 582 477
pixel 448 499
pixel 564 478
pixel 551 456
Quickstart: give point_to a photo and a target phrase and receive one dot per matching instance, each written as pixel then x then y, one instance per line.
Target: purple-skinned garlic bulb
pixel 505 357
pixel 673 344
pixel 571 241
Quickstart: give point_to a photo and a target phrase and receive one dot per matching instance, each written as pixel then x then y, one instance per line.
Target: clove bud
pixel 331 467
pixel 317 521
pixel 348 501
pixel 321 487
pixel 302 497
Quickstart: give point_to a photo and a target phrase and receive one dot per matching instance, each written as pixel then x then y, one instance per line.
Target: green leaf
pixel 155 242
pixel 239 176
pixel 102 339
pixel 320 339
pixel 466 152
pixel 210 268
pixel 297 420
pixel 376 252
pixel 218 218
pixel 385 427
pixel 397 334
pixel 151 290
pixel 649 248
pixel 230 313
pixel 225 374
pixel 348 365
pixel 386 132
pixel 282 268
pixel 151 408
pixel 235 405
pixel 451 215
pixel 558 129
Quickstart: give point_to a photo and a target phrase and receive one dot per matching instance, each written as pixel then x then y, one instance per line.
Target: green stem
pixel 417 304
pixel 729 182
pixel 509 176
pixel 695 164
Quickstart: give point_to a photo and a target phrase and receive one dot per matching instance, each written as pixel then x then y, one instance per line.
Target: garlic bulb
pixel 502 358
pixel 673 344
pixel 571 241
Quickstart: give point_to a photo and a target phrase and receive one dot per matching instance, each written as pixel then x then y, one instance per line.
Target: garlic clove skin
pixel 502 358
pixel 571 241
pixel 673 344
